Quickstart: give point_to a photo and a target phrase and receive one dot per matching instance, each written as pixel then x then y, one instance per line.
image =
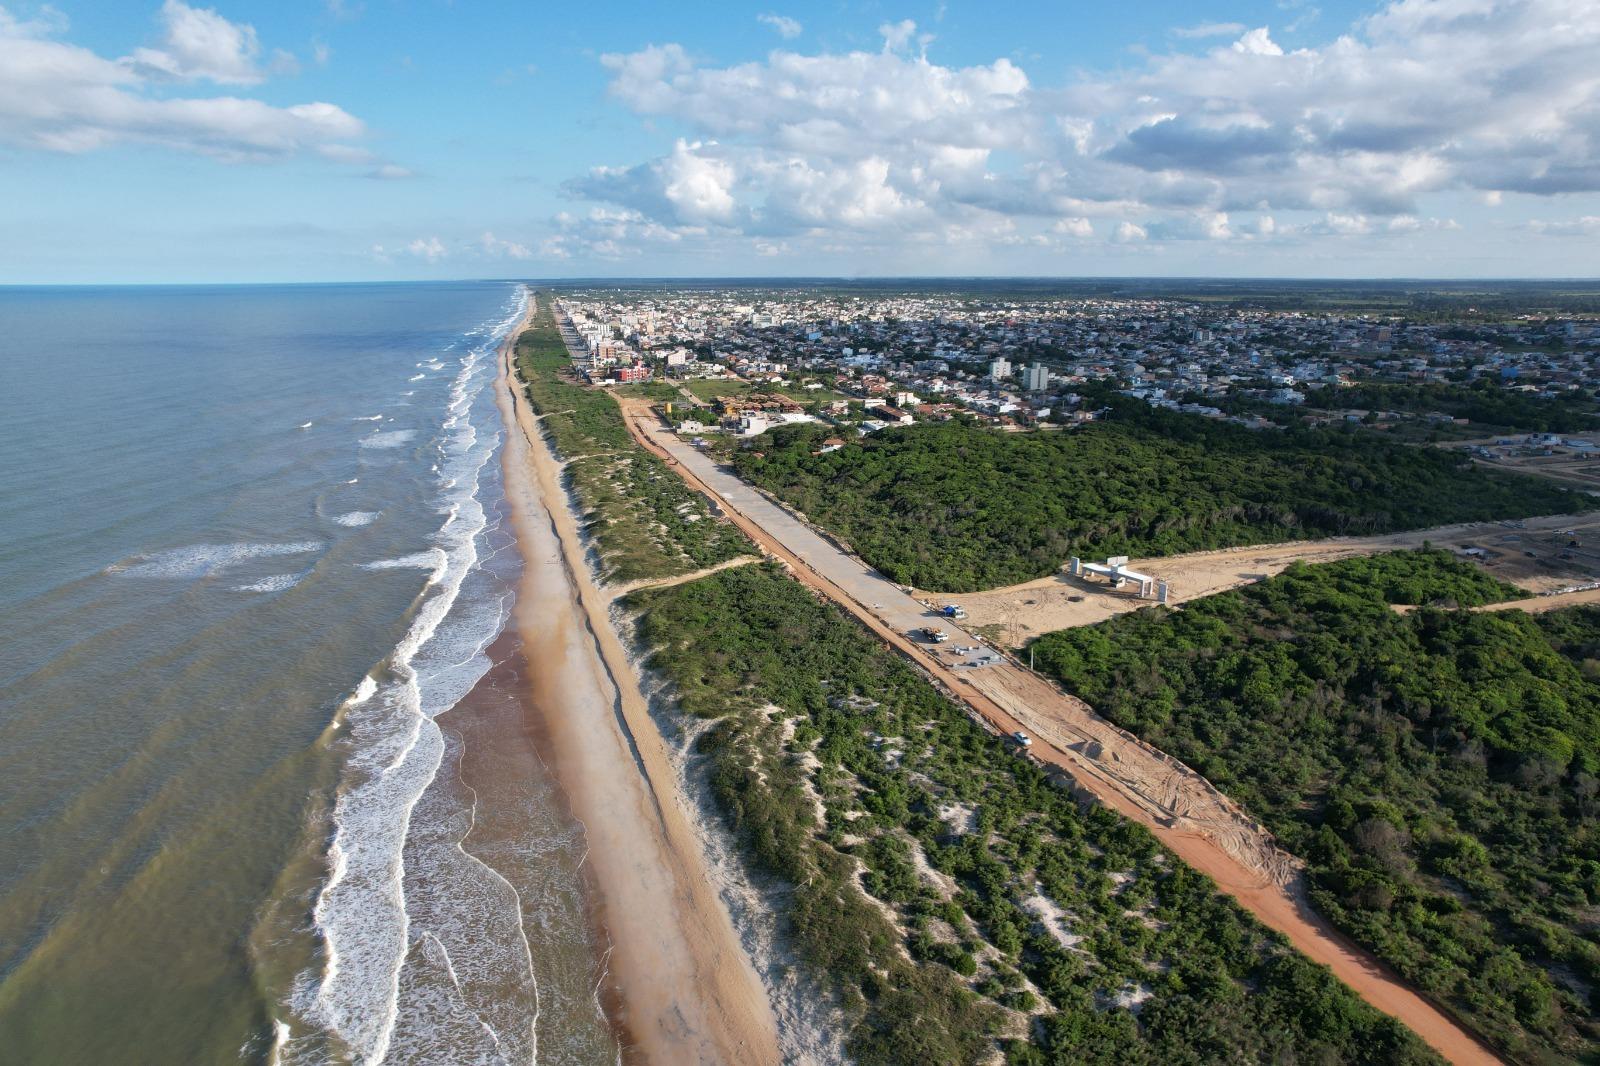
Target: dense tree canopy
pixel 956 507
pixel 945 889
pixel 1484 402
pixel 1437 769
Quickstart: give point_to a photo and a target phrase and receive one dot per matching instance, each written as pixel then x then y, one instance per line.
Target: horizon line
pixel 750 279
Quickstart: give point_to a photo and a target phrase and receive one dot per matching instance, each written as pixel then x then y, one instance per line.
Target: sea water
pixel 263 795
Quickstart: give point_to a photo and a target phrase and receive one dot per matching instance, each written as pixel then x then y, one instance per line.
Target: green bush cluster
pixel 1437 770
pixel 644 520
pixel 1483 402
pixel 952 896
pixel 958 507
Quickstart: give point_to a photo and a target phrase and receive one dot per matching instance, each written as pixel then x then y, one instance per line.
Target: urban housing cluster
pixel 743 360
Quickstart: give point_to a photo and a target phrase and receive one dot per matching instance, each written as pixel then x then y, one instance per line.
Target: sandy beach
pixel 679 986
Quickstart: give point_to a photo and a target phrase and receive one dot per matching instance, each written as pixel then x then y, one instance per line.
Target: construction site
pixel 1571 461
pixel 1555 554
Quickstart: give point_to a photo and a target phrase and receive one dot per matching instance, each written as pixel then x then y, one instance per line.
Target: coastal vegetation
pixel 951 896
pixel 1486 406
pixel 1484 403
pixel 957 507
pixel 1438 770
pixel 644 521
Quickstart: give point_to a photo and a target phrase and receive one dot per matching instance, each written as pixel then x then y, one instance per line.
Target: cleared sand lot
pixel 1184 810
pixel 1017 613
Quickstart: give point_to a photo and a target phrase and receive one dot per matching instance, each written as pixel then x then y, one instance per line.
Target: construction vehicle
pixel 933 635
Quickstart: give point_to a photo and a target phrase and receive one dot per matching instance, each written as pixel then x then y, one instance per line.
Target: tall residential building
pixel 1000 370
pixel 1038 378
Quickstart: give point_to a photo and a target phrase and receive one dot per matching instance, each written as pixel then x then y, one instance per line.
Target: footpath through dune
pixel 1184 810
pixel 682 990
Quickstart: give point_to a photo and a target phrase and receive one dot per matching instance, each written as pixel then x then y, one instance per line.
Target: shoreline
pixel 681 987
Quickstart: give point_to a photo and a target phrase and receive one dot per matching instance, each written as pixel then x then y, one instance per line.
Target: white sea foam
pixel 275 583
pixel 416 377
pixel 392 438
pixel 431 559
pixel 367 418
pixel 306 425
pixel 357 518
pixel 203 560
pixel 364 691
pixel 280 1039
pixel 396 749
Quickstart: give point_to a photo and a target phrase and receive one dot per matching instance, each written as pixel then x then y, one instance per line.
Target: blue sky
pixel 159 141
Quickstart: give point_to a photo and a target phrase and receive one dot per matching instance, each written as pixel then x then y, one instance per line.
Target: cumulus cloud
pixel 61 97
pixel 782 25
pixel 430 248
pixel 1241 140
pixel 198 43
pixel 494 246
pixel 897 35
pixel 1587 226
pixel 1080 228
pixel 611 233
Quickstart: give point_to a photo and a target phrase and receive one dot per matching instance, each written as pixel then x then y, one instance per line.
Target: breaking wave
pixel 203 560
pixel 393 749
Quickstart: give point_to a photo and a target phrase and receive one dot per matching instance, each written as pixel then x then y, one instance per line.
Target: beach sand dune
pixel 682 990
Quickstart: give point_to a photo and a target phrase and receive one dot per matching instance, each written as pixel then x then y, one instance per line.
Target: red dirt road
pixel 1184 811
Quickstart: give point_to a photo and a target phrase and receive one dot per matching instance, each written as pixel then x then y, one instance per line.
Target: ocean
pixel 266 790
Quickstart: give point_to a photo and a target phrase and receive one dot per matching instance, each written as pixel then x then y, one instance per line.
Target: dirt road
pixel 1188 814
pixel 1535 605
pixel 1018 613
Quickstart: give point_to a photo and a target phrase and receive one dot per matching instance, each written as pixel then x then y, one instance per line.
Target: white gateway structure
pixel 1115 571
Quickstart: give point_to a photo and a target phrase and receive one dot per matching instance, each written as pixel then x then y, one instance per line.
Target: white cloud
pixel 1258 42
pixel 783 25
pixel 1244 140
pixel 1587 226
pixel 1080 228
pixel 494 246
pixel 1200 226
pixel 1129 233
pixel 200 44
pixel 430 248
pixel 897 35
pixel 47 22
pixel 61 97
pixel 1210 29
pixel 390 172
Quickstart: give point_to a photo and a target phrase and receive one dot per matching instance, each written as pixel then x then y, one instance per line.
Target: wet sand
pixel 682 989
pixel 522 827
